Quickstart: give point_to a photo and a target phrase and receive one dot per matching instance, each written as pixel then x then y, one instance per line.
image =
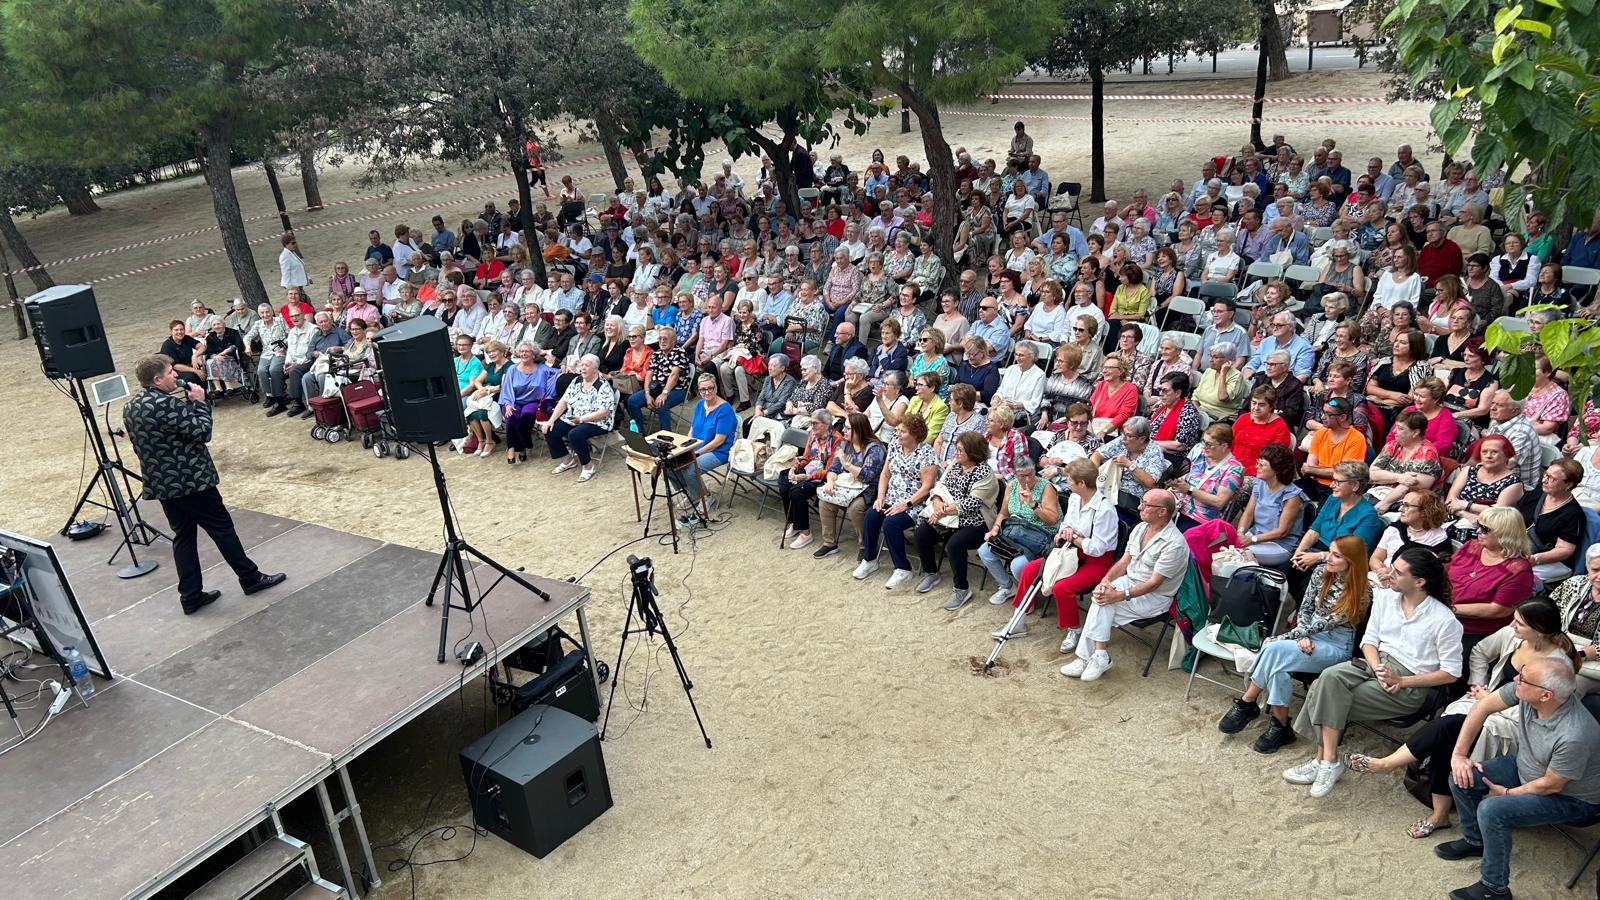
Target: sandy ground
pixel 857 755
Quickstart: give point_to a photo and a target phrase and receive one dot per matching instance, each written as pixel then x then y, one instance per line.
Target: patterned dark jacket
pixel 169 434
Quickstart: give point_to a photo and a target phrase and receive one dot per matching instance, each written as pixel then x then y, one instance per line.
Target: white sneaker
pixel 1098 664
pixel 897 579
pixel 927 582
pixel 1075 668
pixel 1069 642
pixel 1020 631
pixel 1327 776
pixel 1305 773
pixel 569 463
pixel 1000 596
pixel 801 542
pixel 864 569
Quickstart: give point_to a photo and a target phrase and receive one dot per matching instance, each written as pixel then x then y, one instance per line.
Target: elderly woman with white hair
pixel 585 411
pixel 1140 459
pixel 813 392
pixel 1022 383
pixel 1222 265
pixel 1222 386
pixel 853 393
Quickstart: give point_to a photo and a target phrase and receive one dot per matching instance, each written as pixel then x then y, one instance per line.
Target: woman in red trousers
pixel 1088 523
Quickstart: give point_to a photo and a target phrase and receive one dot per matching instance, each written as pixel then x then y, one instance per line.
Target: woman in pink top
pixel 1442 429
pixel 1115 398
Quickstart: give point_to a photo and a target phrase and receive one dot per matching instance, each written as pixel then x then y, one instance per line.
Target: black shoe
pixel 1478 892
pixel 264 582
pixel 276 409
pixel 295 409
pixel 1238 717
pixel 192 606
pixel 1277 735
pixel 1457 849
pixel 308 413
pixel 825 551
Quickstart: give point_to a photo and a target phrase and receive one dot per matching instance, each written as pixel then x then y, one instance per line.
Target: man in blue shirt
pixel 771 313
pixel 1584 249
pixel 1283 337
pixel 1382 182
pixel 1338 174
pixel 1037 180
pixel 1288 236
pixel 1077 244
pixel 713 428
pixel 992 328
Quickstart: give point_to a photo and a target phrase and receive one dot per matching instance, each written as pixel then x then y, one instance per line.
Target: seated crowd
pixel 1144 392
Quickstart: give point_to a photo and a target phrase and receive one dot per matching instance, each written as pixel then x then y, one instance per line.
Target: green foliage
pixel 98 81
pixel 1519 83
pixel 1572 345
pixel 1112 34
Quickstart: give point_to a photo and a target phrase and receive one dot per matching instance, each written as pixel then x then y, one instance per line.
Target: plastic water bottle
pixel 81 679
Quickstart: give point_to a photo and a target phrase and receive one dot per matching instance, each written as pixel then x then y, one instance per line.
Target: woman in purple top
pixel 525 390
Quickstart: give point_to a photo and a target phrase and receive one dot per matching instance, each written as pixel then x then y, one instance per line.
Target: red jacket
pixel 1433 262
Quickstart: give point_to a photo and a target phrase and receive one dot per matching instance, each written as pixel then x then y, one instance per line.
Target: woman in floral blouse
pixel 972 492
pixel 903 486
pixel 1215 476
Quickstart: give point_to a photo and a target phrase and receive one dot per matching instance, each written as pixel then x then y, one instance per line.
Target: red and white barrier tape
pixel 1249 98
pixel 1396 123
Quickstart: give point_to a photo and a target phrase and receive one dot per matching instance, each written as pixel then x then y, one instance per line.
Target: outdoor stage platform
pixel 216 720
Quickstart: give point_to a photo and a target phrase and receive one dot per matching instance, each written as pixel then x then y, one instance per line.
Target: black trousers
pixel 204 509
pixel 957 545
pixel 796 497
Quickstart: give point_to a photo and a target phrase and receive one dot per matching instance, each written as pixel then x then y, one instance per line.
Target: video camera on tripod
pixel 643 604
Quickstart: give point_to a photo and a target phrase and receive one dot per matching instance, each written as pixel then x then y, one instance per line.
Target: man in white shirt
pixel 291 268
pixel 1141 584
pixel 731 178
pixel 1109 216
pixel 391 285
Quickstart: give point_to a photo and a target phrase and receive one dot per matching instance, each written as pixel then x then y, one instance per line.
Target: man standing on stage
pixel 169 428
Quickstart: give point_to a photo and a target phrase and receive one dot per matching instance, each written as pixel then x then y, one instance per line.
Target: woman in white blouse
pixel 1401 282
pixel 1088 524
pixel 1022 383
pixel 646 272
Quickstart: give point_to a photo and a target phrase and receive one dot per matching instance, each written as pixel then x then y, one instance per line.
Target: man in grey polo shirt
pixel 1552 779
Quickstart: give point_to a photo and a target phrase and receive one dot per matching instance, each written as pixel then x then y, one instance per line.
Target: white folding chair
pixel 1182 305
pixel 1205 646
pixel 1578 275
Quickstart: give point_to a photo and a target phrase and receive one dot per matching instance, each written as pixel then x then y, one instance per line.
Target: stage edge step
pixel 259 869
pixel 318 889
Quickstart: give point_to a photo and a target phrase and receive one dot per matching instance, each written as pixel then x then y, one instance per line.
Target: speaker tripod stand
pixel 651 621
pixel 114 477
pixel 452 572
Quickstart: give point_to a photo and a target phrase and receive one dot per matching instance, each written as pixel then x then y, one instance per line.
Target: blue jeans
pixel 893 529
pixel 689 482
pixel 637 407
pixel 269 377
pixel 1487 821
pixel 1004 576
pixel 1280 658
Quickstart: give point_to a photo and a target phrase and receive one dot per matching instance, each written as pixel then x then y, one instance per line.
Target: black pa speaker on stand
pixel 538 779
pixel 419 381
pixel 66 325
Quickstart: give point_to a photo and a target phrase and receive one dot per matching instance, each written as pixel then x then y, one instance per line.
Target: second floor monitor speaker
pixel 419 381
pixel 66 325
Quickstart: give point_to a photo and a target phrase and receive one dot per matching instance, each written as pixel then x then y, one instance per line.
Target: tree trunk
pixel 1257 108
pixel 611 143
pixel 782 155
pixel 277 195
pixel 308 177
pixel 17 312
pixel 216 162
pixel 1272 40
pixel 12 237
pixel 1097 136
pixel 519 174
pixel 942 174
pixel 79 201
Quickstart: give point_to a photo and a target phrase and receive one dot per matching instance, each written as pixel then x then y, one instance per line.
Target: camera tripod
pixel 651 621
pixel 111 474
pixel 453 571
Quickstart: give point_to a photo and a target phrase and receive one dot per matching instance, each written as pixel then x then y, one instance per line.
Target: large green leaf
pixel 1516 373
